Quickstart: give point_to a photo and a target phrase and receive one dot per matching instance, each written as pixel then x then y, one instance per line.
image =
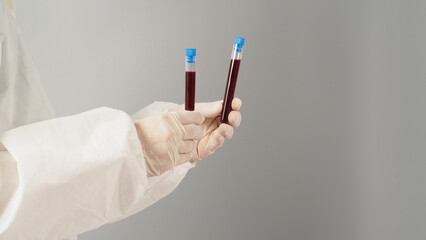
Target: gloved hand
pixel 167 138
pixel 176 137
pixel 214 132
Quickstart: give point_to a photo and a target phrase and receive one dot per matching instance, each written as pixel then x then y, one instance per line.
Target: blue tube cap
pixel 239 42
pixel 190 54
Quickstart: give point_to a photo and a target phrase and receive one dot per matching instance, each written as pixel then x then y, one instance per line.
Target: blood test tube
pixel 237 53
pixel 190 79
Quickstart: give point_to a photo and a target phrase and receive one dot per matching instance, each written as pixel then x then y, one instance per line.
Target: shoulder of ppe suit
pixel 3 11
pixel 11 7
pixel 7 8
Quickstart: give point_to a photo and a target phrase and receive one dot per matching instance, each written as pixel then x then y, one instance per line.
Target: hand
pixel 214 132
pixel 168 139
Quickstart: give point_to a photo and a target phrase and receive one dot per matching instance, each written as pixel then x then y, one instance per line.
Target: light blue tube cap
pixel 239 42
pixel 191 53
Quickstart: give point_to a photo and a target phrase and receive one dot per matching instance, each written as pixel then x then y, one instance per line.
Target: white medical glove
pixel 167 138
pixel 214 132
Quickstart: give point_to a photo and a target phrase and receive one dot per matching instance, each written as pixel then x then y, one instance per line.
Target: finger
pixel 187 146
pixel 234 118
pixel 204 107
pixel 216 141
pixel 193 131
pixel 226 131
pixel 179 108
pixel 208 145
pixel 236 104
pixel 190 117
pixel 187 157
pixel 209 109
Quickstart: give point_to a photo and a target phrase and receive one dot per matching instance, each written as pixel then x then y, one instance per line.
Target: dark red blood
pixel 189 91
pixel 234 67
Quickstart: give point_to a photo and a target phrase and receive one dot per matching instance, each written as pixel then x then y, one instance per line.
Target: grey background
pixel 333 140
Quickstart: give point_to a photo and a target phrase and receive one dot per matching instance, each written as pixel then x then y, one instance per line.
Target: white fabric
pixel 11 5
pixel 62 177
pixel 22 98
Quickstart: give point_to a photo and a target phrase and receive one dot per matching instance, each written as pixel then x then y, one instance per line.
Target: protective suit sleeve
pixel 74 174
pixel 69 175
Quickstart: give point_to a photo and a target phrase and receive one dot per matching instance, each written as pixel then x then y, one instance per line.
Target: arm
pixel 75 174
pixel 66 176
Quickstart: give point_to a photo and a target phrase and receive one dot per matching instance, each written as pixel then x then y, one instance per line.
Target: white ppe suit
pixel 65 176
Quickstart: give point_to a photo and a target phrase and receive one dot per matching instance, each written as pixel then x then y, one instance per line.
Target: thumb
pixel 209 109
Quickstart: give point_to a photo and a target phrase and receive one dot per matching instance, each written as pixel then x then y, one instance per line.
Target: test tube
pixel 190 79
pixel 237 53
